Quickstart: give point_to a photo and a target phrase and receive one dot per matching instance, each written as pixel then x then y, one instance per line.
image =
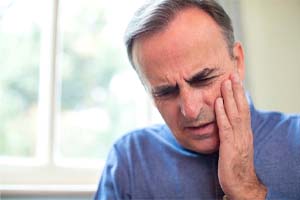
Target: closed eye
pixel 203 77
pixel 165 91
pixel 202 81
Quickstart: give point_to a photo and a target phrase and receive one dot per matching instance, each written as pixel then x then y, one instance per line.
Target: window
pixel 66 89
pixel 97 101
pixel 20 41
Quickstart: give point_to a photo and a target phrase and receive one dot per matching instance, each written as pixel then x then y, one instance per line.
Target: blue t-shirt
pixel 150 164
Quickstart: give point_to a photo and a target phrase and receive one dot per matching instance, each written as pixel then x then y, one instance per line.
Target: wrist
pixel 251 191
pixel 258 193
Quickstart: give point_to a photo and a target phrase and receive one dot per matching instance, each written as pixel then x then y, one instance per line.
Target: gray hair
pixel 155 15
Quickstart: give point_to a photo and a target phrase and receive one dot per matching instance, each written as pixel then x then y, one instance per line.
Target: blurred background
pixel 67 90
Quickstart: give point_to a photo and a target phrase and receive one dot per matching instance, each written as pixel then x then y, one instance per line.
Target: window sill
pixel 47 190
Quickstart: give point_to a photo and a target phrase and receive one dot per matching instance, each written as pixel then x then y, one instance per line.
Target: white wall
pixel 271 33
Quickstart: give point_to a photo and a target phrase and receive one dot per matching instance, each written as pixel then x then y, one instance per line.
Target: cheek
pixel 218 89
pixel 213 93
pixel 169 111
pixel 218 84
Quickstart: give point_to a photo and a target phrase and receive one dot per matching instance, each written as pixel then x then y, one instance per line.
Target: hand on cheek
pixel 236 170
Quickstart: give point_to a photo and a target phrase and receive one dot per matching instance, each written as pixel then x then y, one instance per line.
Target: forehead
pixel 192 38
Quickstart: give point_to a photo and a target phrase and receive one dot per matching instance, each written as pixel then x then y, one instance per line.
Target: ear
pixel 238 53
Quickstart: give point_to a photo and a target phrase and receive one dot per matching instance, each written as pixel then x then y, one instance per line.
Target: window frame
pixel 42 169
pixel 45 168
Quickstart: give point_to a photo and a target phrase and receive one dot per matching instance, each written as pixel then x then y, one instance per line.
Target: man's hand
pixel 236 170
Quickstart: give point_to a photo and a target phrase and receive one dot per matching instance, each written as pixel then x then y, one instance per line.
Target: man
pixel 215 144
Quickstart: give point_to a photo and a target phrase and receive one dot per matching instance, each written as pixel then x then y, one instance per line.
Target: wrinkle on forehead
pixel 165 56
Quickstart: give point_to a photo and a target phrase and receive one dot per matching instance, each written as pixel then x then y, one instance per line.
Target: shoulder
pixel 146 133
pixel 134 145
pixel 142 138
pixel 277 133
pixel 276 122
pixel 277 149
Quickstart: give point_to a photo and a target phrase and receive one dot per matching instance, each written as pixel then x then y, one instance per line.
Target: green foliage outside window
pixel 19 61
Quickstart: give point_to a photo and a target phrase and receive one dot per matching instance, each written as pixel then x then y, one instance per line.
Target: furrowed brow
pixel 164 89
pixel 203 74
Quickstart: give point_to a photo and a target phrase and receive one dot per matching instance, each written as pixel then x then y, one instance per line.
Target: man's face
pixel 183 67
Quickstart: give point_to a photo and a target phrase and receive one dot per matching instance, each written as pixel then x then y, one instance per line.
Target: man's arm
pixel 114 180
pixel 236 169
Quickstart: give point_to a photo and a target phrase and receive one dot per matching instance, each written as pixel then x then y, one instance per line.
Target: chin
pixel 207 146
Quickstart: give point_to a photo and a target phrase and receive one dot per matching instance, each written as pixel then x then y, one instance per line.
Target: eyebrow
pixel 202 75
pixel 160 90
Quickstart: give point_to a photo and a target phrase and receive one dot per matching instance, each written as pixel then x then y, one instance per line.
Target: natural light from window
pixel 67 89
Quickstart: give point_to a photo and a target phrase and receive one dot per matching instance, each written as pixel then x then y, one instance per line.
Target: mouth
pixel 201 131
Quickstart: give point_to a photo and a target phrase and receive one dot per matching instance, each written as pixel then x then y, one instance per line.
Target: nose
pixel 190 103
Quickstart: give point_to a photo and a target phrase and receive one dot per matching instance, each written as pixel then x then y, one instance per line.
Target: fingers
pixel 236 141
pixel 230 94
pixel 239 93
pixel 232 110
pixel 235 100
pixel 223 123
pixel 229 100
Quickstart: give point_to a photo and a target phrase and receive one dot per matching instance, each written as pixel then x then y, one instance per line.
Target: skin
pixel 197 87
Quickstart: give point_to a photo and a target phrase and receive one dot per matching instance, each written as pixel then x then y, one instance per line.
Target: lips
pixel 201 131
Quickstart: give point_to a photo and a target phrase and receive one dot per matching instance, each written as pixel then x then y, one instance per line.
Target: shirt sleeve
pixel 114 182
